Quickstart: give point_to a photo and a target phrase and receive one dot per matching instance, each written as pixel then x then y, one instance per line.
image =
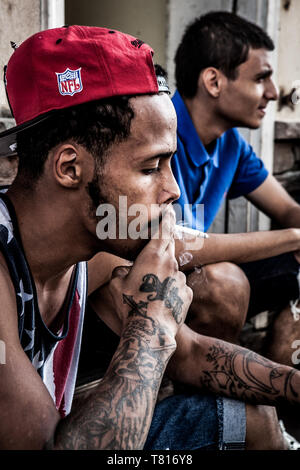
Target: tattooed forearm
pixel 164 291
pixel 239 373
pixel 117 415
pixel 148 326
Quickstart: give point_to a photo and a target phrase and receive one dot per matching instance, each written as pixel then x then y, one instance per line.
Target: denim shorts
pixel 197 422
pixel 273 281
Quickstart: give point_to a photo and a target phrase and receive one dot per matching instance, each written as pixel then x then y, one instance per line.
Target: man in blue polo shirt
pixel 206 176
pixel 223 76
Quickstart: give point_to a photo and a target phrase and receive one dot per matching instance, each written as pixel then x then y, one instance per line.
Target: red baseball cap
pixel 63 67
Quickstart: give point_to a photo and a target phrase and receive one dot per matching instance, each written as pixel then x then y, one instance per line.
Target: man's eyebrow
pixel 264 74
pixel 159 156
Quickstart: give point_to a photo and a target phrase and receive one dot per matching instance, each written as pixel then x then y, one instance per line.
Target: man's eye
pixel 149 171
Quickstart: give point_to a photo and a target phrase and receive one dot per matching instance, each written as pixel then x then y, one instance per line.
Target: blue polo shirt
pixel 230 168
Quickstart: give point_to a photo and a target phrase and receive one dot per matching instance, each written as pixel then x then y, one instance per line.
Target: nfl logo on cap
pixel 69 82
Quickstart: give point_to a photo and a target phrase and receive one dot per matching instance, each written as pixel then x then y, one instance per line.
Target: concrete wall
pixel 142 18
pixel 18 20
pixel 287 126
pixel 288 58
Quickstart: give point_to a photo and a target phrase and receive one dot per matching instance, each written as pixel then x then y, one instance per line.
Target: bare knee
pixel 221 297
pixel 263 429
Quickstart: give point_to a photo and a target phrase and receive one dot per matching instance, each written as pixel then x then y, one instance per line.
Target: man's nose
pixel 271 92
pixel 170 190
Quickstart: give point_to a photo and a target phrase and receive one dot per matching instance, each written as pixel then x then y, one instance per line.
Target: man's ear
pixel 212 80
pixel 67 166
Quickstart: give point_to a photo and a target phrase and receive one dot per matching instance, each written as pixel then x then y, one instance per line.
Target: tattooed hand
pixel 153 291
pixel 163 291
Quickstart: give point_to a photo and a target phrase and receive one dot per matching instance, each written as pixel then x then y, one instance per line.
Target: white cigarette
pixel 181 232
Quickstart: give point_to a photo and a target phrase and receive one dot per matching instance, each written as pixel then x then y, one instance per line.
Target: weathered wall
pixel 288 58
pixel 287 128
pixel 142 18
pixel 18 19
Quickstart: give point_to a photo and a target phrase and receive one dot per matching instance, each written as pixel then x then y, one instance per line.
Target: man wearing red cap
pixel 94 125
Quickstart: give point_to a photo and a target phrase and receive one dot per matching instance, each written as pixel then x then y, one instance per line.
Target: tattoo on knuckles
pixel 164 291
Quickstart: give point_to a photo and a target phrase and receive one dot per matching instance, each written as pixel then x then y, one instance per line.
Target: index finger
pixel 162 237
pixel 159 245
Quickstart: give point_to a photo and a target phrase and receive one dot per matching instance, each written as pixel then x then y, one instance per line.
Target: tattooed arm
pixel 118 413
pixel 230 370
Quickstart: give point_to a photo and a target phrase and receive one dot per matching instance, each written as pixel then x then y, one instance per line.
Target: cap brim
pixel 8 143
pixel 8 138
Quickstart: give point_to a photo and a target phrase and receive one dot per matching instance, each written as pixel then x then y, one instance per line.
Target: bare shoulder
pixel 28 414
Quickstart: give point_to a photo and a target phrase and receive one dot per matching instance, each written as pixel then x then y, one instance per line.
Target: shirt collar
pixel 188 134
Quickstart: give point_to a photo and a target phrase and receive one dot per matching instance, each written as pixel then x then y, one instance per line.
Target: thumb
pixel 120 271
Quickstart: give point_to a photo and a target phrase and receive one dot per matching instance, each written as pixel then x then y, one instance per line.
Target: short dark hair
pixel 95 125
pixel 218 39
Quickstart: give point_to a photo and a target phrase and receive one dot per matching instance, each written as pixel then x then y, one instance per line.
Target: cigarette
pixel 181 232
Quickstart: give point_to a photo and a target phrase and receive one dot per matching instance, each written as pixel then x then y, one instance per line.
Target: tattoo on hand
pixel 164 291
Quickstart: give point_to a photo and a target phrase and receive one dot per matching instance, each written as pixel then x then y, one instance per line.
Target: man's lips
pixel 262 110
